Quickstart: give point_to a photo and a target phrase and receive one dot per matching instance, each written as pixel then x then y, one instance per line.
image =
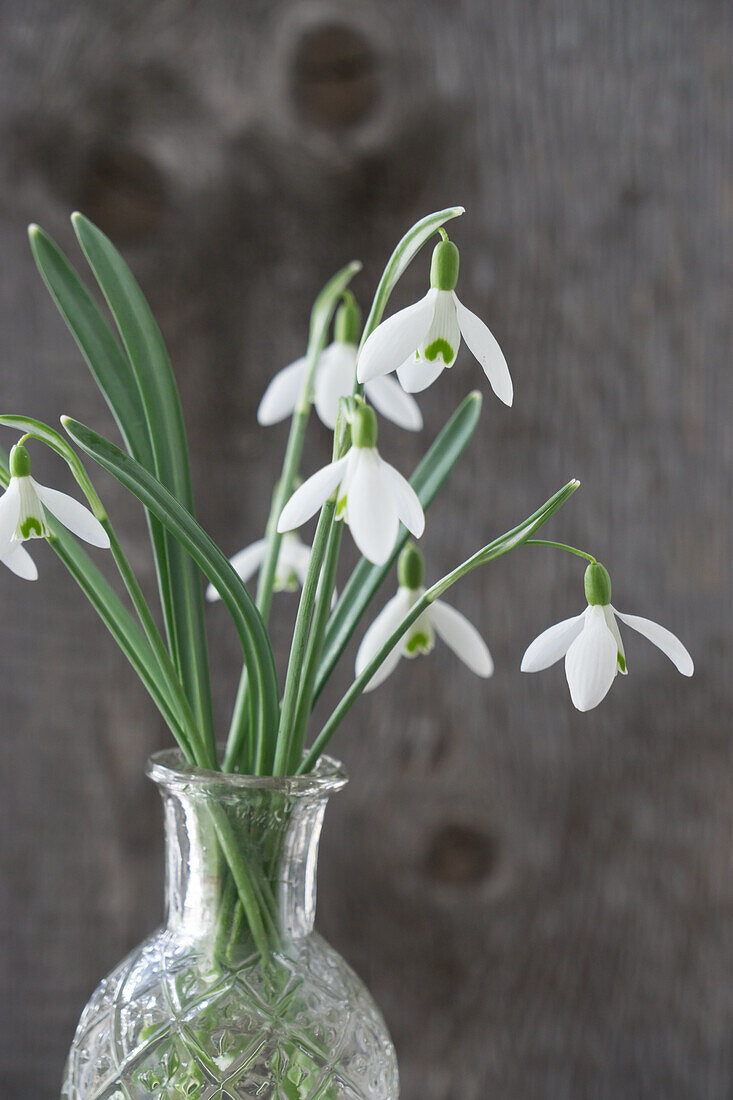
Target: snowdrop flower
pixel 22 515
pixel 372 496
pixel 421 341
pixel 334 378
pixel 592 645
pixel 292 564
pixel 439 618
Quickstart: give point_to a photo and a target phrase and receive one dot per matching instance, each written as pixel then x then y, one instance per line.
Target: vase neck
pixel 229 846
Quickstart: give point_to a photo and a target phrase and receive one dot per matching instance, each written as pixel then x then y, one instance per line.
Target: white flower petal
pixel 663 639
pixel 245 563
pixel 409 508
pixel 308 498
pixel 416 373
pixel 19 561
pixel 294 555
pixel 371 508
pixel 482 343
pixel 462 637
pixel 74 516
pixel 388 398
pixel 335 377
pixel 9 511
pixel 613 627
pixel 396 339
pixel 444 335
pixel 591 662
pixel 281 396
pixel 385 623
pixel 552 644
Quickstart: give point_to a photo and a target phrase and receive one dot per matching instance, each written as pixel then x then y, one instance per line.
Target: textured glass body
pixel 236 996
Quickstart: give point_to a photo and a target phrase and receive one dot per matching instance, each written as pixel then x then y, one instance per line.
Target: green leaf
pixel 404 253
pixel 207 556
pixel 111 371
pixel 115 617
pixel 366 578
pixel 97 343
pixel 161 404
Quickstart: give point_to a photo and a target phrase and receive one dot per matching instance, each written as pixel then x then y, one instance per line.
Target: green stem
pixel 496 549
pixel 561 546
pixel 247 895
pixel 320 320
pixel 300 635
pixel 315 643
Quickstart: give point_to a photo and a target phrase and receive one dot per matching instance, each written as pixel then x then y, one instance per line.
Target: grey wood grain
pixel 540 900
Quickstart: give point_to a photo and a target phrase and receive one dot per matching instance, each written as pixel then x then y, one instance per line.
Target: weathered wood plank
pixel 540 900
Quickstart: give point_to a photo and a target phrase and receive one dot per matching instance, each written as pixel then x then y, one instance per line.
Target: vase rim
pixel 169 768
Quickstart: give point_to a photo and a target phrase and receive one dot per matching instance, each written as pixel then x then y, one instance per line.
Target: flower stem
pixel 561 546
pixel 320 320
pixel 315 643
pixel 286 729
pixel 500 546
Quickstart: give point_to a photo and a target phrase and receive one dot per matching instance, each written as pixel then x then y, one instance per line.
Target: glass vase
pixel 235 996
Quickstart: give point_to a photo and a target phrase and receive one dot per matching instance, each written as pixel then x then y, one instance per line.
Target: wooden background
pixel 540 900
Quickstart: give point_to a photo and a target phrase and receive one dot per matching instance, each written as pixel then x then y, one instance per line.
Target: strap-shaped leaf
pixel 366 578
pixel 111 371
pixel 404 253
pixel 162 408
pixel 207 556
pixel 115 616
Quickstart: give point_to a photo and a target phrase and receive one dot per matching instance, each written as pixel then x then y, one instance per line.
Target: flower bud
pixel 597 585
pixel 444 266
pixel 364 427
pixel 20 461
pixel 411 568
pixel 347 326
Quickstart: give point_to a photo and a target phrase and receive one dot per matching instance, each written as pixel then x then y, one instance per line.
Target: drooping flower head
pixel 592 646
pixel 22 516
pixel 372 496
pixel 438 618
pixel 334 378
pixel 422 340
pixel 292 564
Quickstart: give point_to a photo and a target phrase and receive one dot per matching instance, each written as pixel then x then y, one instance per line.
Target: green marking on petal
pixel 286 582
pixel 439 347
pixel 622 662
pixel 340 507
pixel 32 527
pixel 418 643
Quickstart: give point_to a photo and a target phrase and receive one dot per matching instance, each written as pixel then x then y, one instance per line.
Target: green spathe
pixel 364 427
pixel 444 266
pixel 411 568
pixel 20 461
pixel 597 585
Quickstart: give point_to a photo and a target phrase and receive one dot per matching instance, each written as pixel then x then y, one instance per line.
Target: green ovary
pixel 439 347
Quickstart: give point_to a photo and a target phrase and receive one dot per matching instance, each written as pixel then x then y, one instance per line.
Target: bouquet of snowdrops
pixel 351 383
